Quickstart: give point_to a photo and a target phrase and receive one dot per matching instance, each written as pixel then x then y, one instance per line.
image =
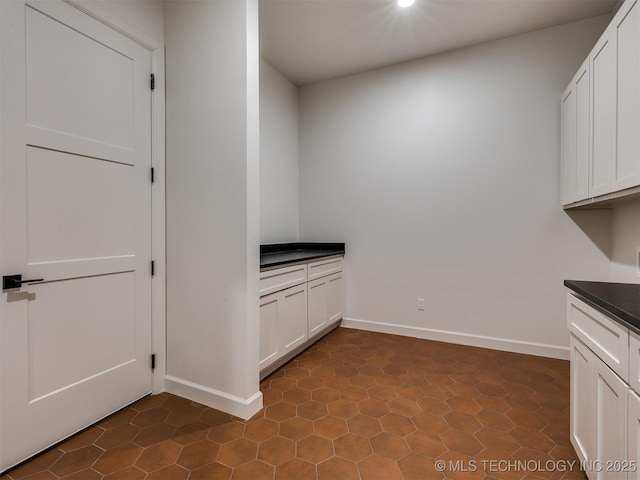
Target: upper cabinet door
pixel 576 125
pixel 603 84
pixel 568 136
pixel 583 132
pixel 626 167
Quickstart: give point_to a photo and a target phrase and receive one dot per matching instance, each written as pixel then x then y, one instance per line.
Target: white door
pixel 75 210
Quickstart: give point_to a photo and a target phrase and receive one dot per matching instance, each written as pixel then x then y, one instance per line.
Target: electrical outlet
pixel 638 262
pixel 421 304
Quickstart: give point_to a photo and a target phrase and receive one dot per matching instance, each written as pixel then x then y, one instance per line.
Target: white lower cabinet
pixel 603 419
pixel 291 317
pixel 598 422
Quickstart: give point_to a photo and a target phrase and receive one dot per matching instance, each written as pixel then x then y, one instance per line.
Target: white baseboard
pixel 517 346
pixel 240 407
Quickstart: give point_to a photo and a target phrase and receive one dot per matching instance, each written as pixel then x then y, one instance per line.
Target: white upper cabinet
pixel 626 171
pixel 601 116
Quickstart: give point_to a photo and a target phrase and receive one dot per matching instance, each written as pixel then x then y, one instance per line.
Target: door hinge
pixel 153 175
pixel 153 81
pixel 153 361
pixel 153 268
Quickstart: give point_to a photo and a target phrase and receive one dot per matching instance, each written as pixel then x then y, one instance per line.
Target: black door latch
pixel 15 281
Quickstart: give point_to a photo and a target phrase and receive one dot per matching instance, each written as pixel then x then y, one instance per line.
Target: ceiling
pixel 310 41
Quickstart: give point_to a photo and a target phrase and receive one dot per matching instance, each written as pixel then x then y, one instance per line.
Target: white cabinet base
pixel 601 400
pixel 296 312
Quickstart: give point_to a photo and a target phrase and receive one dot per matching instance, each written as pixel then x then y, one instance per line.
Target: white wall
pixel 442 177
pixel 625 238
pixel 213 203
pixel 278 157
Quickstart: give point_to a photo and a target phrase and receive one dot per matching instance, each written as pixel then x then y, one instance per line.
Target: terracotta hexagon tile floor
pixel 356 405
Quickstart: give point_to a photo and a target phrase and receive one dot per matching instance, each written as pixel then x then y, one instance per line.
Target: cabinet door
pixel 292 318
pixel 603 84
pixel 334 298
pixel 582 425
pixel 611 422
pixel 626 171
pixel 269 306
pixel 583 132
pixel 317 307
pixel 576 136
pixel 633 448
pixel 325 302
pixel 568 138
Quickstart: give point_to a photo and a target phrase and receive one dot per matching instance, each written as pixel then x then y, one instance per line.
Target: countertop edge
pixel 618 314
pixel 284 254
pixel 285 263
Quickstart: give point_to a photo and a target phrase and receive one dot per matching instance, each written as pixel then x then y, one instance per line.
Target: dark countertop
pixel 280 254
pixel 619 299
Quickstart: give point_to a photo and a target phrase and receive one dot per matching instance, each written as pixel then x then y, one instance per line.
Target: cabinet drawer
pixel 280 278
pixel 606 338
pixel 634 361
pixel 325 267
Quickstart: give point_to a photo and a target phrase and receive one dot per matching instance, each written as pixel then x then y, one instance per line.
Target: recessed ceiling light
pixel 405 3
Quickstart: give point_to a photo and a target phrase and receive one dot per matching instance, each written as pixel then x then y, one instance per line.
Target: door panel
pixel 99 311
pixel 75 210
pixel 604 116
pixel 292 314
pixel 71 215
pixel 334 298
pixel 611 420
pixel 268 329
pixel 90 80
pixel 583 135
pixel 568 164
pixel 317 305
pixel 582 405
